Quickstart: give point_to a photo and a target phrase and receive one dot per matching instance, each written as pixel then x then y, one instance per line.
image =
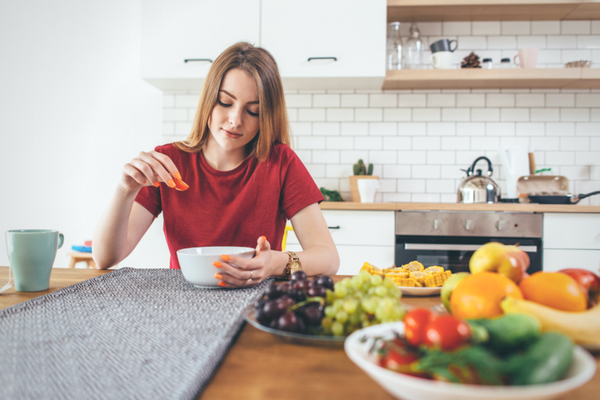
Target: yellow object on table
pixel 77 257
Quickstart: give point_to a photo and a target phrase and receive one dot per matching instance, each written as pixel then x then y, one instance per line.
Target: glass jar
pixel 394 46
pixel 413 48
pixel 486 63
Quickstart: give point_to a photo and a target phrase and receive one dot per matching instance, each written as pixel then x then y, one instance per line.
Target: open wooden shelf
pixel 491 10
pixel 475 78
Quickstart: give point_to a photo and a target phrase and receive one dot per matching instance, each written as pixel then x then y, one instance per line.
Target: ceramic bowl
pixel 410 388
pixel 579 64
pixel 197 262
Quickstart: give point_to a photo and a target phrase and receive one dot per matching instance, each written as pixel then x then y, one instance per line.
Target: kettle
pixel 476 188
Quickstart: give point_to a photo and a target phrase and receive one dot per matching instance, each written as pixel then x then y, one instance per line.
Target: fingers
pixel 152 168
pixel 239 272
pixel 262 245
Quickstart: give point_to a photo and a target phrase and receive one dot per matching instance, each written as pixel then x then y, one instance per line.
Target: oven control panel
pixel 457 223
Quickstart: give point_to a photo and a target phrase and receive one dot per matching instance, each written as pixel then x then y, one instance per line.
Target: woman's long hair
pixel 273 121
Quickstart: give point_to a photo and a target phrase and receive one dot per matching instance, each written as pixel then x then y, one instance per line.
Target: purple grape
pixel 260 303
pixel 261 317
pixel 273 323
pixel 285 286
pixel 286 301
pixel 274 308
pixel 316 290
pixel 313 314
pixel 325 281
pixel 300 325
pixel 299 285
pixel 299 276
pixel 273 291
pixel 288 322
pixel 297 295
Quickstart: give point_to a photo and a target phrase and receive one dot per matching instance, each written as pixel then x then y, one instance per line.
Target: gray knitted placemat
pixel 129 334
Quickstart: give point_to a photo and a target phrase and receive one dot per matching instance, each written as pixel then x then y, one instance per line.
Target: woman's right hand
pixel 149 168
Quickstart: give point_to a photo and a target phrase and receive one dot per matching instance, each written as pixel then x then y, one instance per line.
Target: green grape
pixel 326 323
pixel 340 290
pixel 354 319
pixel 376 280
pixel 383 311
pixel 338 304
pixel 394 292
pixel 371 291
pixel 330 312
pixel 363 317
pixel 389 282
pixel 381 291
pixel 370 304
pixel 337 329
pixel 329 296
pixel 341 316
pixel 366 286
pixel 350 306
pixel 397 312
pixel 387 302
pixel 365 275
pixel 366 324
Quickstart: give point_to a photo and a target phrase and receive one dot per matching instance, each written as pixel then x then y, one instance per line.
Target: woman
pixel 244 182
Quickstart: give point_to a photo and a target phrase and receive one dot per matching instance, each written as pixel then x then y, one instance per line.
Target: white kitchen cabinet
pixel 177 30
pixel 326 44
pixel 571 240
pixel 360 236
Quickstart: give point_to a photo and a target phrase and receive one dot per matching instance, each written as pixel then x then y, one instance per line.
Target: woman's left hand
pixel 238 272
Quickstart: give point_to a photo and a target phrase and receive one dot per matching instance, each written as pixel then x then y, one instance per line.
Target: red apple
pixel 589 282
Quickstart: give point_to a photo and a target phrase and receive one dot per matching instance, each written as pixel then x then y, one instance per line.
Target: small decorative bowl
pixel 197 263
pixel 579 64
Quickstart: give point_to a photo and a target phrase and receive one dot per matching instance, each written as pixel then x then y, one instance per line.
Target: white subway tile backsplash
pixel 485 28
pixel 368 114
pixel 426 143
pixel 340 114
pixel 397 114
pixel 419 140
pixel 575 27
pixel 326 100
pixel 355 100
pixel 397 143
pixel 545 27
pixel 441 129
pixel 502 42
pixel 575 114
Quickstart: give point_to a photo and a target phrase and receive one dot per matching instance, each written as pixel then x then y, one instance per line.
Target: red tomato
pixel 447 332
pixel 415 325
pixel 397 357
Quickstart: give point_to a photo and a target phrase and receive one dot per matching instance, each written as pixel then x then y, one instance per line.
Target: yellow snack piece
pixel 436 279
pixel 407 282
pixel 373 270
pixel 413 266
pixel 434 269
pixel 398 275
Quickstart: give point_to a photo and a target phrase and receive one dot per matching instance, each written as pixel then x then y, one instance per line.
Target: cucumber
pixel 546 360
pixel 510 332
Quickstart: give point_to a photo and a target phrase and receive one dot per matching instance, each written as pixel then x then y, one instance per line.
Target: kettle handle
pixel 490 169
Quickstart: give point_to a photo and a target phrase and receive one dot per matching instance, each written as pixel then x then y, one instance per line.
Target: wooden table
pixel 261 366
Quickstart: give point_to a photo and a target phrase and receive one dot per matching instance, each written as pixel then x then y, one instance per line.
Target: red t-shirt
pixel 230 208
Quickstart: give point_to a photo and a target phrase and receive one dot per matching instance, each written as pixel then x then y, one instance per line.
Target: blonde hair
pixel 273 120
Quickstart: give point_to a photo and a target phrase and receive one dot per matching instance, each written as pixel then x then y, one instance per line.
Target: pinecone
pixel 470 61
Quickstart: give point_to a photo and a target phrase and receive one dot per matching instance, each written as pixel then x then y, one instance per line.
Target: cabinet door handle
pixel 334 227
pixel 198 59
pixel 322 58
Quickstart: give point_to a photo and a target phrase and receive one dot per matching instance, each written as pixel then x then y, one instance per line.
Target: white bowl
pixel 197 262
pixel 411 388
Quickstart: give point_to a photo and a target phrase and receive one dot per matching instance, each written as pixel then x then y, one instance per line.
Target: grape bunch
pixel 361 301
pixel 295 306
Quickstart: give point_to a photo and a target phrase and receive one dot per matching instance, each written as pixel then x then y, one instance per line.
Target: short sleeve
pixel 149 198
pixel 299 190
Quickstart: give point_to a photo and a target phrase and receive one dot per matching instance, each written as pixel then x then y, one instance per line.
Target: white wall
pixel 419 140
pixel 73 110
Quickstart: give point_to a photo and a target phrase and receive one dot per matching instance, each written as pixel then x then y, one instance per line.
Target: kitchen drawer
pixel 353 257
pixel 571 231
pixel 556 259
pixel 362 228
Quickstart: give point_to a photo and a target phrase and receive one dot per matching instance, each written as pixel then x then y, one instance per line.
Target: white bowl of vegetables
pixel 361 347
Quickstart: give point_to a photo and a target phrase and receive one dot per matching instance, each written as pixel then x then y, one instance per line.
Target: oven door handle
pixel 457 247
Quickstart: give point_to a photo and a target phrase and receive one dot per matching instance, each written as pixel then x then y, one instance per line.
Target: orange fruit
pixel 479 295
pixel 555 290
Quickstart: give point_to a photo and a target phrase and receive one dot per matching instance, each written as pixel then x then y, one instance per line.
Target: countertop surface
pixel 253 367
pixel 496 207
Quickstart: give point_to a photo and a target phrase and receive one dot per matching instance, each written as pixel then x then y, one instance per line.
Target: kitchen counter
pixel 510 207
pixel 260 366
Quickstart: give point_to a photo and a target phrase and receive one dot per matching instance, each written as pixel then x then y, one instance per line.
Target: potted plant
pixel 361 171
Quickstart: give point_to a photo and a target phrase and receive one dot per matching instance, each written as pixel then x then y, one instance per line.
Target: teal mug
pixel 31 253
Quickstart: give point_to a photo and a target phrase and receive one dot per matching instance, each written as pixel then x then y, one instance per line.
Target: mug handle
pixel 515 60
pixel 61 239
pixel 450 45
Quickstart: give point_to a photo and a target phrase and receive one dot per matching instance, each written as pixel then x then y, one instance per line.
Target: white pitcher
pixel 515 163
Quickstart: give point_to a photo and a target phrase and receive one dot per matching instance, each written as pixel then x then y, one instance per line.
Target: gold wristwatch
pixel 293 264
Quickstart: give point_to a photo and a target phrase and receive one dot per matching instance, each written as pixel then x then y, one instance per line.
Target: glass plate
pixel 297 338
pixel 420 291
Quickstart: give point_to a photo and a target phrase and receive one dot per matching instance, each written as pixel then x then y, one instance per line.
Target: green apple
pixel 449 286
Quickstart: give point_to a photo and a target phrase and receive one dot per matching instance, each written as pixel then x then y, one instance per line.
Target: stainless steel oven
pixel 449 238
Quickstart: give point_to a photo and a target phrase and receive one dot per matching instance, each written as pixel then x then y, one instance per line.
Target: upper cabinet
pixel 326 44
pixel 181 38
pixel 318 44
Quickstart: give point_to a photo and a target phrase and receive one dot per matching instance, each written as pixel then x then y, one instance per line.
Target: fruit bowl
pixel 411 388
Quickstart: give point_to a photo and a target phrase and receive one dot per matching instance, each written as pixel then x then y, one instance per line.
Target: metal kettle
pixel 476 188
